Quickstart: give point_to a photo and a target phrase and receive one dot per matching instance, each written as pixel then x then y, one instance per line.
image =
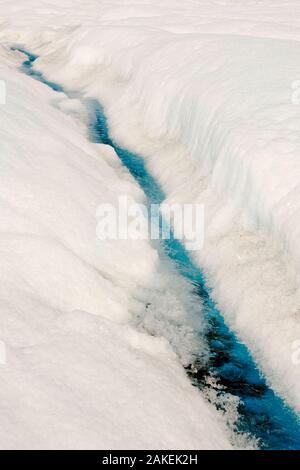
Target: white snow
pixel 206 92
pixel 78 374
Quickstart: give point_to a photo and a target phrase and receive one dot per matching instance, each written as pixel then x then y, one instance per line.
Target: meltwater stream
pixel 262 413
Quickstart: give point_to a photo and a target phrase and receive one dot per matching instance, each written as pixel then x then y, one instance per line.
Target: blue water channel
pixel 262 413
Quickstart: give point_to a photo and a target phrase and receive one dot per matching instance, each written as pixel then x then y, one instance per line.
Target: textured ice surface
pixel 77 375
pixel 205 91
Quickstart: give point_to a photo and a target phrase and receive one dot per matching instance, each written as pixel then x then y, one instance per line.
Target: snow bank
pixel 204 91
pixel 78 374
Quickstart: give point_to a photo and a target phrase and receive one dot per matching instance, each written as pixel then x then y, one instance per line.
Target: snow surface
pixel 78 373
pixel 204 90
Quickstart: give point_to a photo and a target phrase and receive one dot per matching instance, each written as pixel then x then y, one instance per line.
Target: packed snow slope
pixel 207 92
pixel 77 375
